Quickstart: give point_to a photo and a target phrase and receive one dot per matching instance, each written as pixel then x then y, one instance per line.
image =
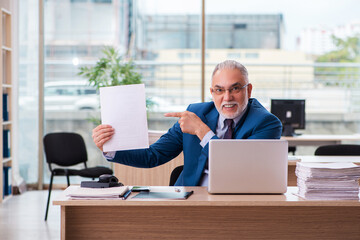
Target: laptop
pixel 243 166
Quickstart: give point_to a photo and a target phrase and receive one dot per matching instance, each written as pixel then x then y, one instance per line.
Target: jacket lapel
pixel 211 119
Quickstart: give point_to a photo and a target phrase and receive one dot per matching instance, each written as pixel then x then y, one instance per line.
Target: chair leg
pixel 68 180
pixel 48 200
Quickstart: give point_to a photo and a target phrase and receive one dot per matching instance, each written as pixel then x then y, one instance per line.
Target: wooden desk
pixel 205 216
pixel 292 179
pixel 318 140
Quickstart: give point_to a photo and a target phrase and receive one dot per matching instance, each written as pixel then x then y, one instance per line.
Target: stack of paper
pixel 96 193
pixel 328 181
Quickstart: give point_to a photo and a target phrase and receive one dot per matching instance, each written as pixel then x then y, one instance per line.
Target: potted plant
pixel 111 70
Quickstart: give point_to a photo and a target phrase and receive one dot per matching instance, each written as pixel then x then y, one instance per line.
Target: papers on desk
pixel 96 193
pixel 328 181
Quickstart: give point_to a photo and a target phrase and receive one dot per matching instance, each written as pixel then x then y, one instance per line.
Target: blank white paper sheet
pixel 124 108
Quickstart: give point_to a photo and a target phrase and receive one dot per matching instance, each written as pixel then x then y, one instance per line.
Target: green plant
pixel 111 70
pixel 347 51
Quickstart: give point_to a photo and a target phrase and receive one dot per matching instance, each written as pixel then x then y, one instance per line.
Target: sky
pixel 297 14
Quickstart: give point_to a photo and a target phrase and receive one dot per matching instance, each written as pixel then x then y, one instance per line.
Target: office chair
pixel 175 174
pixel 65 150
pixel 292 149
pixel 338 150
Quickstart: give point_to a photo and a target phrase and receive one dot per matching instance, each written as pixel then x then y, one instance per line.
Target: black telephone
pixel 105 181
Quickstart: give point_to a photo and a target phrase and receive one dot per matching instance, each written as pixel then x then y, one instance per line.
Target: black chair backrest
pixel 338 150
pixel 175 174
pixel 65 149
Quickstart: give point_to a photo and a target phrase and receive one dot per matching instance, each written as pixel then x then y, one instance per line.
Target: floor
pixel 22 217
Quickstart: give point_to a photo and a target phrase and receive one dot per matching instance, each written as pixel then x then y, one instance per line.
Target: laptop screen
pixel 248 166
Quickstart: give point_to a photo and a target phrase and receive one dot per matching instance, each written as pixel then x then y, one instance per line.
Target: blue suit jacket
pixel 256 123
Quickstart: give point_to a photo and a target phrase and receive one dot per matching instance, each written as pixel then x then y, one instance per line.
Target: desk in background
pixel 205 216
pixel 157 176
pixel 319 140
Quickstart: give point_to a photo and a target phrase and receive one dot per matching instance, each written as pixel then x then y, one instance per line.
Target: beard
pixel 239 110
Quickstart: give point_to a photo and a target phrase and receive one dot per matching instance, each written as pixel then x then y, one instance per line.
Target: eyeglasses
pixel 236 89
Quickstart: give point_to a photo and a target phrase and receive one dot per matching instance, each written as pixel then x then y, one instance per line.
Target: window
pixel 234 56
pixel 251 55
pixel 289 55
pixel 285 47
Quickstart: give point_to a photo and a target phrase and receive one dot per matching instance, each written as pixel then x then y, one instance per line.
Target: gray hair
pixel 231 64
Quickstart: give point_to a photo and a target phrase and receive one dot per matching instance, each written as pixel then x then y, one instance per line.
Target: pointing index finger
pixel 173 114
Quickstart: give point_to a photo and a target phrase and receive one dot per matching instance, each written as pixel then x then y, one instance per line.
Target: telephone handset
pixel 107 178
pixel 105 181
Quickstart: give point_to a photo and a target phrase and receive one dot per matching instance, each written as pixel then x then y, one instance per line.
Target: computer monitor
pixel 291 113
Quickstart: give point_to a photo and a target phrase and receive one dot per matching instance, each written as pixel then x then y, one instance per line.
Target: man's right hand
pixel 101 134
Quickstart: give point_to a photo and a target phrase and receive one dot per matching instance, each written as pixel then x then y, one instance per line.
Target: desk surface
pixel 154 135
pixel 319 140
pixel 202 198
pixel 323 137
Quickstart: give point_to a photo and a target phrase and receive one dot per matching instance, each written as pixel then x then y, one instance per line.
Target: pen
pixel 188 194
pixel 126 195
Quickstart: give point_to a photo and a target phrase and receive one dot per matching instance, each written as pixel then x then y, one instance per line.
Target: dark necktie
pixel 229 130
pixel 228 134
